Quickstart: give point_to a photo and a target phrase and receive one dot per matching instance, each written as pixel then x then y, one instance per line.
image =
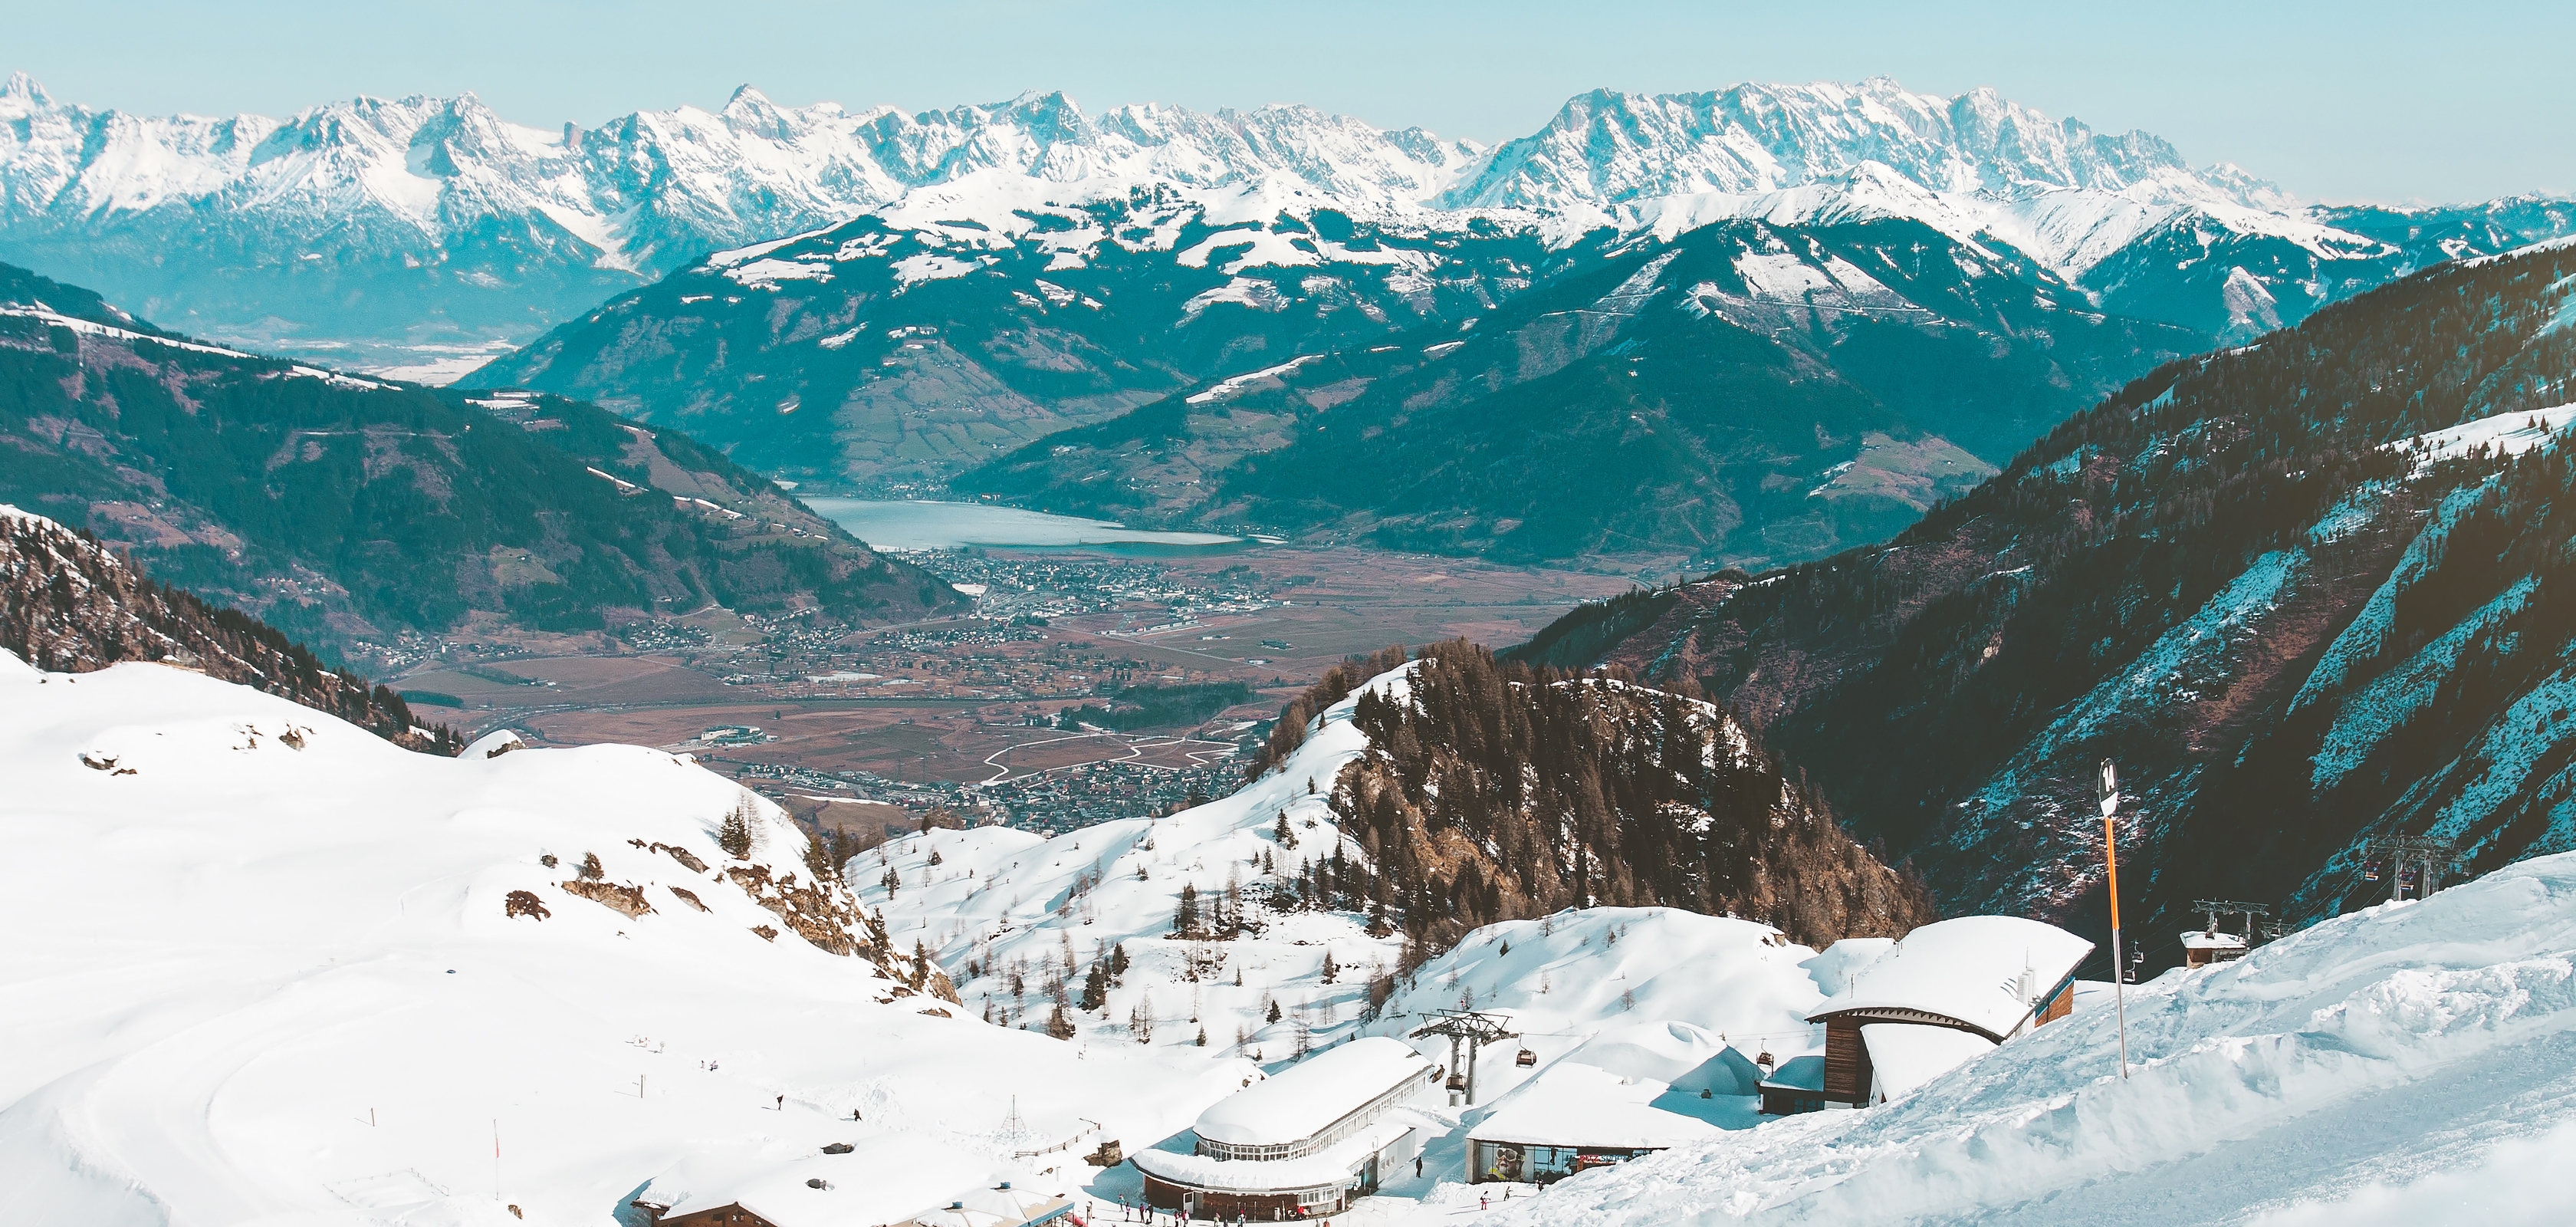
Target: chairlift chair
pixel 2406 878
pixel 1525 1059
pixel 2370 871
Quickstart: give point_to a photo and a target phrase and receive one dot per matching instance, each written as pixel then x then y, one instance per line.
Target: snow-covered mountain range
pixel 437 229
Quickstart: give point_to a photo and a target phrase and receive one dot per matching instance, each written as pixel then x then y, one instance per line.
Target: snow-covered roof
pixel 1804 1072
pixel 2197 940
pixel 1572 1104
pixel 1307 1098
pixel 1981 972
pixel 1331 1166
pixel 1680 1055
pixel 884 1179
pixel 1905 1057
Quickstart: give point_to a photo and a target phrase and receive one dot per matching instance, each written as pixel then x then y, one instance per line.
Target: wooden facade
pixel 1261 1206
pixel 1847 1069
pixel 716 1216
pixel 2058 1006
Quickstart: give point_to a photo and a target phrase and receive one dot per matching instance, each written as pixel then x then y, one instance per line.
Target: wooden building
pixel 1301 1143
pixel 1945 994
pixel 2203 947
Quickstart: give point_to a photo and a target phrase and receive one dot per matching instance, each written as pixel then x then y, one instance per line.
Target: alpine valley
pixel 1922 284
pixel 2042 503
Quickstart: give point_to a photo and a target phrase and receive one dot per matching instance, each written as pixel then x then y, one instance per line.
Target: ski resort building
pixel 1624 1092
pixel 1301 1143
pixel 894 1181
pixel 1943 995
pixel 2202 947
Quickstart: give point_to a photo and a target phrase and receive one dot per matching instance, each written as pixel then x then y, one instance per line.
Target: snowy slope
pixel 1010 901
pixel 2400 1064
pixel 261 968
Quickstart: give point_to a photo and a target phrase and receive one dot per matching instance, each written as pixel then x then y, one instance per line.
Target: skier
pixel 782 1103
pixel 1417 1167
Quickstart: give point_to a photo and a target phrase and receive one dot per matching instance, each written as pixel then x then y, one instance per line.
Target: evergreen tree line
pixel 1499 790
pixel 67 605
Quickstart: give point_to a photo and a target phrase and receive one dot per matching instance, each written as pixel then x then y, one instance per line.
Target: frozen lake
pixel 923 525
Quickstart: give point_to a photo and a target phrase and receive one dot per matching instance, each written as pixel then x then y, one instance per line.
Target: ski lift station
pixel 1302 1142
pixel 901 1180
pixel 1624 1092
pixel 1916 1008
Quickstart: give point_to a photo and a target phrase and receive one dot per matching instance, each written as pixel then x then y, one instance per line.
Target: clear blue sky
pixel 2337 101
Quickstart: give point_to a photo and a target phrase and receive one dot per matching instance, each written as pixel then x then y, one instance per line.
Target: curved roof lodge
pixel 1943 995
pixel 1305 1140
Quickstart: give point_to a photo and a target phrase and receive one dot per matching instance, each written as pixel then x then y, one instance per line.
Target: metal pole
pixel 1453 1066
pixel 1472 1047
pixel 2111 860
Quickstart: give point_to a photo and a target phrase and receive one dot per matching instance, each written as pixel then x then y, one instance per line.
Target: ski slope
pixel 262 970
pixel 259 969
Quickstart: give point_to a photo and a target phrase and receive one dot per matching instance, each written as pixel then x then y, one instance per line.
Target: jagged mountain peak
pixel 1609 146
pixel 23 89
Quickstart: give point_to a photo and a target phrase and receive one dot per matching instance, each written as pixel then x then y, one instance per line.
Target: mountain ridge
pixel 241 227
pixel 2308 591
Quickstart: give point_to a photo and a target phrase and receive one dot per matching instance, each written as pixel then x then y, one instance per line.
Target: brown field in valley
pixel 951 702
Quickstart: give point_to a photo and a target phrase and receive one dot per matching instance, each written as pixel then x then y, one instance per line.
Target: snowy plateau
pixel 267 968
pixel 491 230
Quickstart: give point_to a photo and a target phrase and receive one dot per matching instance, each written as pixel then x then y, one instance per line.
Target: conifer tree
pixel 734 836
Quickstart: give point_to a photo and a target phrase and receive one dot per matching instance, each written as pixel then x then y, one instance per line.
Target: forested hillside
pixel 1496 791
pixel 352 511
pixel 69 606
pixel 2297 588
